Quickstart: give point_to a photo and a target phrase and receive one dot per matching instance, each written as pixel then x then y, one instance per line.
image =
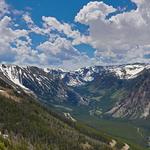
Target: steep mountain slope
pixel 103 92
pixel 33 79
pixel 121 90
pixel 26 124
pixel 137 103
pixel 100 89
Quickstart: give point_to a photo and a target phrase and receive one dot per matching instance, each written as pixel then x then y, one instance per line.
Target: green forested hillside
pixel 25 125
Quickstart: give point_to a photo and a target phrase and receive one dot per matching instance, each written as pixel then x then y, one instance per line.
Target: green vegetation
pixel 28 125
pixel 103 97
pixel 133 133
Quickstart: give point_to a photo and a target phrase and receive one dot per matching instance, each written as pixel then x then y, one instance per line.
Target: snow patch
pixel 11 72
pixel 128 71
pixel 146 111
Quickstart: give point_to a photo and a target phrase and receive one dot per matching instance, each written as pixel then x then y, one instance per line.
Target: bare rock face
pixel 137 104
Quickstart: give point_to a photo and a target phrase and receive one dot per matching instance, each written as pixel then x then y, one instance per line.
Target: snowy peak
pixel 18 74
pixel 47 86
pixel 129 71
pixel 88 74
pixel 78 77
pixel 56 85
pixel 13 73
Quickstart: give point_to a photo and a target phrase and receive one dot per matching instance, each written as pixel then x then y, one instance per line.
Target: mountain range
pixel 120 91
pixel 27 122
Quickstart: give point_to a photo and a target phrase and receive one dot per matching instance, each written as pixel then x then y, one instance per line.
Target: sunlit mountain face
pixel 74 75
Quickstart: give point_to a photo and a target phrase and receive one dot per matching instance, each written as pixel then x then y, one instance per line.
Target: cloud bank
pixel 119 38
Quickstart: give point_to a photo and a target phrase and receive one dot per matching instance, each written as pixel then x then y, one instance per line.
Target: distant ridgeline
pixel 115 91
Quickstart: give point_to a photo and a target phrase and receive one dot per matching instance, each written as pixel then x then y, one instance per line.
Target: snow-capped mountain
pixel 88 74
pixel 47 87
pixel 129 71
pixel 112 88
pixel 99 82
pixel 18 74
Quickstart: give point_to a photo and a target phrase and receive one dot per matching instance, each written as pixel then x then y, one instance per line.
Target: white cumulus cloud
pixel 121 38
pixel 3 8
pixel 117 38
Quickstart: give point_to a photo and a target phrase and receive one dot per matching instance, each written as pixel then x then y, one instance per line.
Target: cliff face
pixel 137 103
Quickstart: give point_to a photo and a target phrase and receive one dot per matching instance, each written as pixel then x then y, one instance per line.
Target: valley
pixel 100 97
pixel 75 75
pixel 133 132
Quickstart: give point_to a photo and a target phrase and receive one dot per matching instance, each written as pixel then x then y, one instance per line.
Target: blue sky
pixel 64 10
pixel 72 34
